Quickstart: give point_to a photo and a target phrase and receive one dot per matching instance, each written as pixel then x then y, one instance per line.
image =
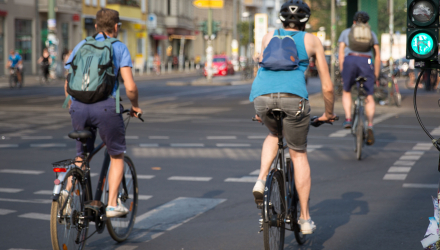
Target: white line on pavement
pixel 187 145
pixel 419 185
pixel 414 153
pixel 6 211
pixel 226 137
pixel 10 190
pixel 251 179
pixel 131 137
pixel 341 133
pixel 399 169
pixel 156 137
pixel 257 137
pixel 93 174
pixel 149 145
pixel 232 145
pixel 410 157
pixel 37 216
pixel 126 247
pixel 256 172
pixel 18 171
pixel 49 145
pixel 8 145
pixel 189 178
pixel 48 137
pixel 405 163
pixel 27 201
pixel 383 117
pixel 245 102
pixel 144 197
pixel 145 177
pixel 395 177
pixel 45 192
pixel 20 249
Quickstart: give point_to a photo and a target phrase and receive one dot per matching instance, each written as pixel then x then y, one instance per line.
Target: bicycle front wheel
pixel 273 213
pixel 120 228
pixel 359 139
pixel 66 231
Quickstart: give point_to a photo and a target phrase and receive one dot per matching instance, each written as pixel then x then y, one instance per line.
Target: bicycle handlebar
pixel 316 123
pixel 139 116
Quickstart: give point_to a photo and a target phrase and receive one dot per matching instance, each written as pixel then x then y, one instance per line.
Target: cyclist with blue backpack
pixel 280 83
pixel 92 88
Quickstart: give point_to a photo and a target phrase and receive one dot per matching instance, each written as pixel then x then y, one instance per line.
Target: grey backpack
pixel 360 38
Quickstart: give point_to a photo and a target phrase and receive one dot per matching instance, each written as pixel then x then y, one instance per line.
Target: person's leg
pixel 370 106
pixel 349 74
pixel 303 181
pixel 115 177
pixel 268 153
pixel 346 103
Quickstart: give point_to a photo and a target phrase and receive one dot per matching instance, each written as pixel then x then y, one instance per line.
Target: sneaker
pixel 118 211
pixel 258 191
pixel 370 136
pixel 347 124
pixel 307 226
pixel 64 194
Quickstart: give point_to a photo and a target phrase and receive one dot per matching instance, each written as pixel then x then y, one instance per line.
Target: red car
pixel 221 66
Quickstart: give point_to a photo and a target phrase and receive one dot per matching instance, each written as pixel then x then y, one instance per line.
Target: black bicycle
pixel 72 213
pixel 280 204
pixel 13 78
pixel 358 128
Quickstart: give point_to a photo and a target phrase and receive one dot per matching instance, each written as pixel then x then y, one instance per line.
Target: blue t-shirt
pixel 343 38
pixel 121 57
pixel 292 81
pixel 14 59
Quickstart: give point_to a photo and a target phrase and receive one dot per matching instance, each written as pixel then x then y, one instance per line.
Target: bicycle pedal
pixel 94 205
pixel 260 205
pixel 261 230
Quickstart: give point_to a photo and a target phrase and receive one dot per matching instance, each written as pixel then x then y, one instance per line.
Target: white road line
pixel 251 179
pixel 226 137
pixel 341 133
pixel 20 249
pixel 410 157
pixel 414 153
pixel 144 197
pixel 419 185
pixel 36 216
pixel 18 171
pixel 421 148
pixel 8 145
pixel 126 247
pixel 399 169
pixel 232 145
pixel 383 117
pixel 149 145
pixel 187 145
pixel 48 137
pixel 6 211
pixel 395 177
pixel 436 131
pixel 245 102
pixel 10 190
pixel 93 174
pixel 314 146
pixel 156 137
pixel 49 145
pixel 145 177
pixel 189 178
pixel 257 137
pixel 131 137
pixel 44 192
pixel 39 201
pixel 405 163
pixel 256 172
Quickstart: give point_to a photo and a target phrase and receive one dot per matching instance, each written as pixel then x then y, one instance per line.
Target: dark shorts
pixel 295 129
pixel 100 116
pixel 355 66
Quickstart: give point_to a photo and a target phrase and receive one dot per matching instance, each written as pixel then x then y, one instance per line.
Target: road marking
pixel 6 211
pixel 131 137
pixel 197 153
pixel 93 174
pixel 251 179
pixel 49 145
pixel 36 216
pixel 10 190
pixel 48 137
pixel 419 185
pixel 245 102
pixel 20 249
pixel 314 146
pixel 144 197
pixel 145 177
pixel 341 133
pixel 44 192
pixel 257 137
pixel 422 146
pixel 414 153
pixel 383 117
pixel 410 157
pixel 189 178
pixel 149 145
pixel 256 172
pixel 436 131
pixel 187 145
pixel 395 177
pixel 8 145
pixel 18 171
pixel 226 137
pixel 232 145
pixel 405 163
pixel 27 201
pixel 126 248
pixel 399 169
pixel 156 137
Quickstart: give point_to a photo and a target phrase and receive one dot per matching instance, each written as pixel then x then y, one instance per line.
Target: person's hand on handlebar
pixel 136 112
pixel 325 118
pixel 257 118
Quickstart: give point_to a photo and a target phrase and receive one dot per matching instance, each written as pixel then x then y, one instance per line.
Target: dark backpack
pixel 280 54
pixel 91 75
pixel 360 38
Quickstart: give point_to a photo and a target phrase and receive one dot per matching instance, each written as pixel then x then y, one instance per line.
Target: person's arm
pixel 341 56
pixel 376 61
pixel 50 60
pixel 130 89
pixel 40 59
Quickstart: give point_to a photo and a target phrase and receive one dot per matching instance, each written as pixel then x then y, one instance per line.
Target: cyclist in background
pixel 355 59
pixel 15 62
pixel 286 89
pixel 45 61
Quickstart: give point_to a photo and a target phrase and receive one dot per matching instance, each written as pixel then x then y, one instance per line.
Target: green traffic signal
pixel 422 44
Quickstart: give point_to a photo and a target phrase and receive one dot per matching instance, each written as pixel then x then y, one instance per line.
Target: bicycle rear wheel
pixel 359 139
pixel 273 212
pixel 120 228
pixel 65 230
pixel 295 206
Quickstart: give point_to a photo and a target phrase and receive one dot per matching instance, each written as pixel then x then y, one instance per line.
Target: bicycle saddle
pixel 80 134
pixel 361 78
pixel 276 113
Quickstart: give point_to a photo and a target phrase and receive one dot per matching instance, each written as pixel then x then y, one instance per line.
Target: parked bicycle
pixel 72 213
pixel 387 92
pixel 248 71
pixel 280 206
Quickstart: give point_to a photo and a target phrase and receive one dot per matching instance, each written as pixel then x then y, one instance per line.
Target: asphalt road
pixel 201 151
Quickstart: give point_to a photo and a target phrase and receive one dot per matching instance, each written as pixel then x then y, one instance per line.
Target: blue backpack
pixel 280 54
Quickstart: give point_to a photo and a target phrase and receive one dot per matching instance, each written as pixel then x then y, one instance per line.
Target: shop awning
pixel 159 37
pixel 3 13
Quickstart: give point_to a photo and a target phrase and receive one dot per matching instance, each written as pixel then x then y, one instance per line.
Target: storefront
pixel 23 41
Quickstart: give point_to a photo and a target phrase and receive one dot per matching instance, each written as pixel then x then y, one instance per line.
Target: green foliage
pixel 243 31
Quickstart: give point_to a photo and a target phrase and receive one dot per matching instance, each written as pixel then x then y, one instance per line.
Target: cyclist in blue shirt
pixel 15 62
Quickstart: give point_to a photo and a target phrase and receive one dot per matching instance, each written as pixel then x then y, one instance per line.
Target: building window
pixel 102 3
pixel 65 35
pixel 23 38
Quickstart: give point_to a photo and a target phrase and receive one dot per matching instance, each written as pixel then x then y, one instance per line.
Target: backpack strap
pixel 118 95
pixel 279 34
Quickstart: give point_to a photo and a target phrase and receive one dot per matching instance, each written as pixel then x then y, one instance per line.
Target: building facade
pixel 133 17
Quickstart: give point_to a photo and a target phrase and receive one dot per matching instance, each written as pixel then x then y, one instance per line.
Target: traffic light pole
pixel 391 35
pixel 333 37
pixel 209 50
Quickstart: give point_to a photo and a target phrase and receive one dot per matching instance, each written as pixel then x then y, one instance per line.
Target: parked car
pixel 221 66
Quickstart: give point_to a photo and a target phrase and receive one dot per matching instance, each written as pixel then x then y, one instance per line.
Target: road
pixel 199 153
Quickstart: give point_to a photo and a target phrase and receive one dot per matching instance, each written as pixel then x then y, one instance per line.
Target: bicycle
pixel 70 217
pixel 388 90
pixel 280 181
pixel 358 128
pixel 13 78
pixel 247 72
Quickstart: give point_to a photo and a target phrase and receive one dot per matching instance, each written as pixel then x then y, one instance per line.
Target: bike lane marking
pixel 6 211
pixel 8 145
pixel 10 190
pixel 36 216
pixel 17 171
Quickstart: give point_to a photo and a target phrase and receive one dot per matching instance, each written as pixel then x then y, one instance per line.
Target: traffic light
pixel 423 30
pixel 216 27
pixel 204 27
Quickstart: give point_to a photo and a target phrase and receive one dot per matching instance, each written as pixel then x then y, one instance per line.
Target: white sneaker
pixel 64 194
pixel 307 226
pixel 258 191
pixel 118 211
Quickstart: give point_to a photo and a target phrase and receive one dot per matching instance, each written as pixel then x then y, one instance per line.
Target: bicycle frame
pixel 358 107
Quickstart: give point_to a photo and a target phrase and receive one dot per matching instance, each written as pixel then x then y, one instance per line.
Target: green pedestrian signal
pixel 422 32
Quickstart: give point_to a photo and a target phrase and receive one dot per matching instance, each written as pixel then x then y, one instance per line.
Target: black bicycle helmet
pixel 295 11
pixel 361 16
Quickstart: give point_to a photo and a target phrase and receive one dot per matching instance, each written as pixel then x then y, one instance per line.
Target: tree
pixel 243 31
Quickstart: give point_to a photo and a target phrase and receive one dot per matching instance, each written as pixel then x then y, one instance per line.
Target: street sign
pixel 261 26
pixel 152 21
pixel 213 4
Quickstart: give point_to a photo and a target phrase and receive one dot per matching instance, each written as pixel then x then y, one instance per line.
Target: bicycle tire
pixel 274 210
pixel 295 207
pixel 63 239
pixel 116 226
pixel 359 139
pixel 12 82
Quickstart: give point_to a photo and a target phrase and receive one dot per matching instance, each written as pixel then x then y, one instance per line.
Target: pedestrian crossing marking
pixel 419 185
pixel 399 169
pixel 410 157
pixel 187 145
pixel 44 192
pixel 49 145
pixel 131 137
pixel 189 178
pixel 6 211
pixel 399 177
pixel 405 163
pixel 46 137
pixel 126 248
pixel 158 137
pixel 36 216
pixel 232 145
pixel 256 172
pixel 10 190
pixel 8 145
pixel 39 201
pixel 250 179
pixel 226 137
pixel 341 133
pixel 257 137
pixel 149 145
pixel 144 197
pixel 18 171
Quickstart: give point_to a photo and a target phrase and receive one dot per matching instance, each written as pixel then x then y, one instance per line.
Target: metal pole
pixel 234 19
pixel 333 38
pixel 209 50
pixel 391 34
pixel 37 33
pixel 52 37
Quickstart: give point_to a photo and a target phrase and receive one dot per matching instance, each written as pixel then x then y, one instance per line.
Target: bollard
pixel 186 66
pixel 148 69
pixel 170 67
pixel 162 68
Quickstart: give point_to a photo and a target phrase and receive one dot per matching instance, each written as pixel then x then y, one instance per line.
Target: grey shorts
pixel 295 129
